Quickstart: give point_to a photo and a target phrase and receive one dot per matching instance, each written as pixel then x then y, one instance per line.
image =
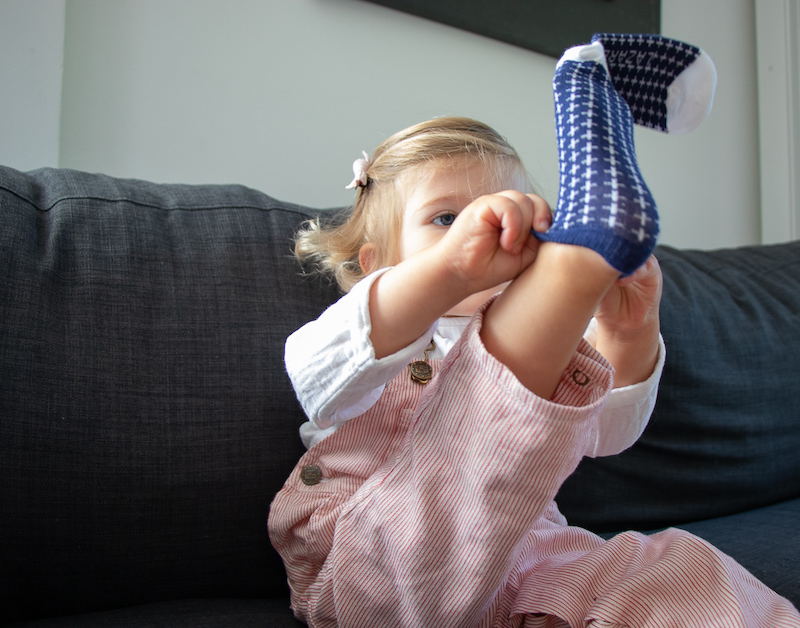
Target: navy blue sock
pixel 668 84
pixel 604 203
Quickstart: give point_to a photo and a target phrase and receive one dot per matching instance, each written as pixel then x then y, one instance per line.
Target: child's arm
pixel 628 325
pixel 331 364
pixel 340 362
pixel 489 244
pixel 627 333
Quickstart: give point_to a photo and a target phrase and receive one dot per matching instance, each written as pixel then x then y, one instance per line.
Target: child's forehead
pixel 479 171
pixel 447 182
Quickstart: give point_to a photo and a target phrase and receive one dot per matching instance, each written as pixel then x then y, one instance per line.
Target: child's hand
pixel 488 244
pixel 633 301
pixel 628 324
pixel 490 241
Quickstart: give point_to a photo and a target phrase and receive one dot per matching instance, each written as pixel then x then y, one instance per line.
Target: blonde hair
pixel 376 216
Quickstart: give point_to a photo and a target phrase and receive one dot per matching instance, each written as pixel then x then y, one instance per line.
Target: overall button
pixel 311 475
pixel 580 378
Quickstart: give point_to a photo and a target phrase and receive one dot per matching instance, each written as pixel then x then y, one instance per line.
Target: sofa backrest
pixel 725 433
pixel 146 420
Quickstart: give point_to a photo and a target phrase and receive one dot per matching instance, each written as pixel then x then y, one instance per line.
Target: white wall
pixel 707 183
pixel 31 59
pixel 282 95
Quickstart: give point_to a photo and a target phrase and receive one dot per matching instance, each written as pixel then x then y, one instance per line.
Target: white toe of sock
pixel 691 95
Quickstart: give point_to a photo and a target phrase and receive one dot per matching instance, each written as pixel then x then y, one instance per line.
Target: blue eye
pixel 444 220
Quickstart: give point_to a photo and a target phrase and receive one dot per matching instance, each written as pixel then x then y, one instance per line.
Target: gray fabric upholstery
pixel 204 613
pixel 146 420
pixel 725 433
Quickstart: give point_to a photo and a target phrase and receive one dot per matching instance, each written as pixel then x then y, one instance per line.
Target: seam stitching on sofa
pixel 104 199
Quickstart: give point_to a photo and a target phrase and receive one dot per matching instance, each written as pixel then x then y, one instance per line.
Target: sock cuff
pixel 621 254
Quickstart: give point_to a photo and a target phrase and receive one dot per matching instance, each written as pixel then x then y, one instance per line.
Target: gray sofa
pixel 146 420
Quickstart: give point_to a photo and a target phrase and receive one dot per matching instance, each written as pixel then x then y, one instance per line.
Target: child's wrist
pixel 633 352
pixel 455 285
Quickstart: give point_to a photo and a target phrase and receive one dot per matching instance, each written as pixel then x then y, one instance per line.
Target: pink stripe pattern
pixel 428 514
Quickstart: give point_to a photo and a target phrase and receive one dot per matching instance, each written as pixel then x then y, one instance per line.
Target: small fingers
pixel 641 273
pixel 514 215
pixel 526 211
pixel 542 214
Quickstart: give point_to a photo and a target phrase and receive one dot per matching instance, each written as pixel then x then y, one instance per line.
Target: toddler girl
pixel 426 495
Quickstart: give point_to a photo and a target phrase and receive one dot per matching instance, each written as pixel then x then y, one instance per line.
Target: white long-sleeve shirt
pixel 332 366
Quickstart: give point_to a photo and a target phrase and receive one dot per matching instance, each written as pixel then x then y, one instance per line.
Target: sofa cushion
pixel 725 433
pixel 206 613
pixel 146 420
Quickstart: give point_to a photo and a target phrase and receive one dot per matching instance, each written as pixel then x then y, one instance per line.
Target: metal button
pixel 311 475
pixel 580 378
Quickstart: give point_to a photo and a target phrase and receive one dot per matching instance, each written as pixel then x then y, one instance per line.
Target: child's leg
pixel 604 205
pixel 536 323
pixel 431 537
pixel 600 91
pixel 672 578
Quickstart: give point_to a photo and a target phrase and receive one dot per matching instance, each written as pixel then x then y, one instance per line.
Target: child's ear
pixel 368 258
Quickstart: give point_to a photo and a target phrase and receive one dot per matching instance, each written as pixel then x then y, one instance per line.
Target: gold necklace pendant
pixel 421 370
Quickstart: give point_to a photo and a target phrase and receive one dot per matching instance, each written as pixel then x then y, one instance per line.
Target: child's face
pixel 437 195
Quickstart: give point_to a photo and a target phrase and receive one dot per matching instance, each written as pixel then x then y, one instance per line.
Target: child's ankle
pixel 577 264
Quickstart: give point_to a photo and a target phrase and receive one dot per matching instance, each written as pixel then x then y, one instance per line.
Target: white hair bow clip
pixel 360 171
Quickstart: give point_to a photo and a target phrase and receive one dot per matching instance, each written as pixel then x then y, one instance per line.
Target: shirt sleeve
pixel 331 361
pixel 627 411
